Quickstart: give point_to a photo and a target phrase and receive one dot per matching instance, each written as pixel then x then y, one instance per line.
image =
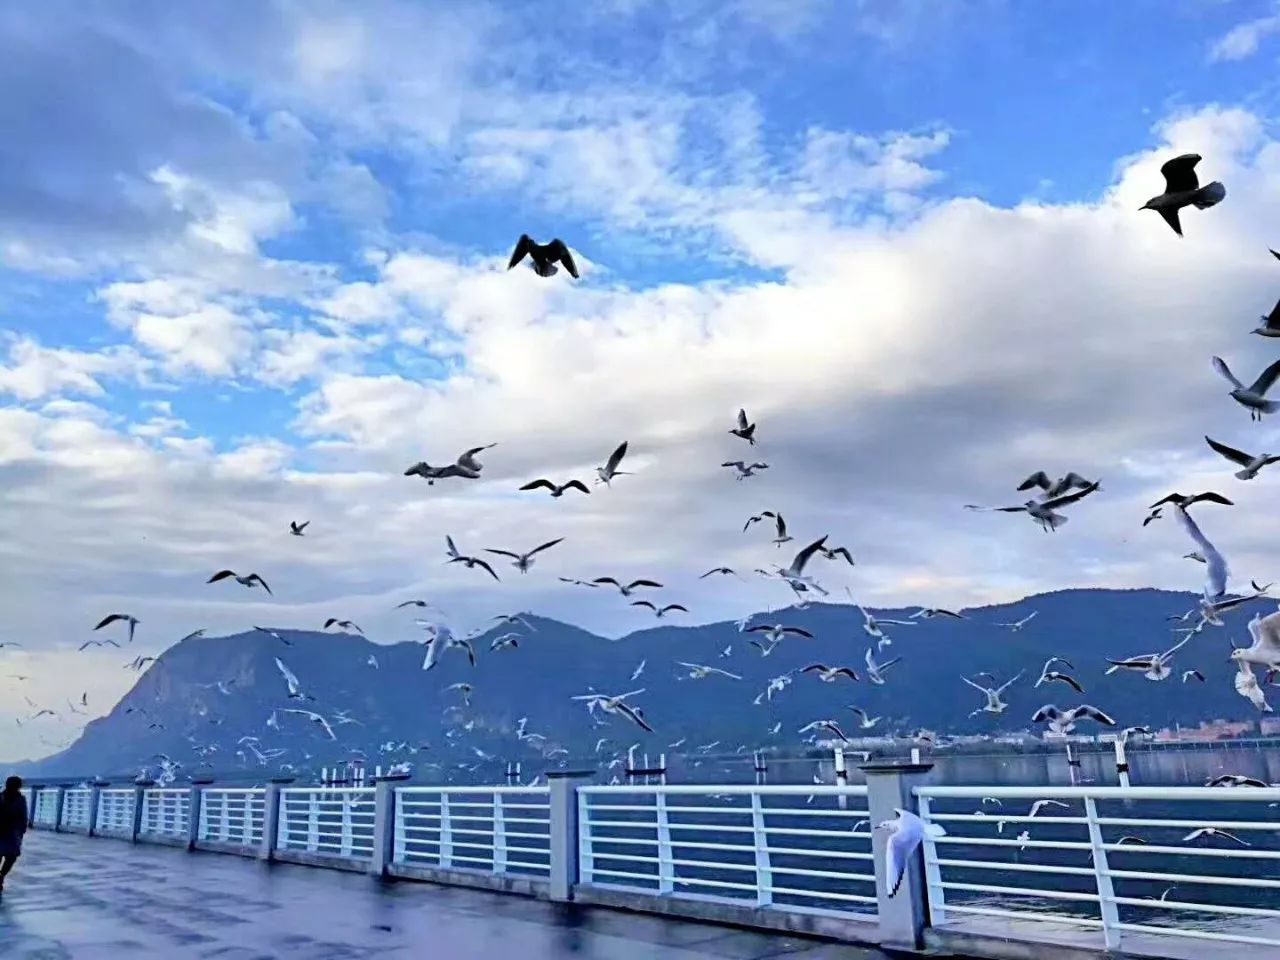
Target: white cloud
pixel 34 371
pixel 1242 41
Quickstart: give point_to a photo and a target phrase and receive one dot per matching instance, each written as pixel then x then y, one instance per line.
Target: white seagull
pixel 905 834
pixel 1216 570
pixel 1265 649
pixel 616 705
pixel 700 671
pixel 1251 463
pixel 132 621
pixel 626 589
pixel 315 718
pixel 873 624
pixel 745 429
pixel 1153 666
pixel 875 671
pixel 744 469
pixel 1254 396
pixel 1270 325
pixel 610 470
pixel 251 580
pixel 829 674
pixel 1017 625
pixel 866 722
pixel 1043 511
pixel 994 704
pixel 523 561
pixel 779 525
pixel 1064 721
pixel 1247 686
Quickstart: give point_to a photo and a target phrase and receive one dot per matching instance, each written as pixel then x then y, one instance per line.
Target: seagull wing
pixel 484 566
pixel 974 685
pixel 1038 479
pixel 802 558
pixel 644 603
pixel 548 544
pixel 254 578
pixel 1069 681
pixel 503 553
pixel 1221 366
pixel 1266 379
pixel 798 631
pixel 673 606
pixel 1231 453
pixel 523 245
pixel 1074 496
pixel 221 575
pixel 576 485
pixel 1180 173
pixel 615 458
pixel 110 619
pixel 643 583
pixel 742 420
pixel 633 715
pixel 560 250
pixel 1216 572
pixel 537 484
pixel 1172 219
pixel 1093 713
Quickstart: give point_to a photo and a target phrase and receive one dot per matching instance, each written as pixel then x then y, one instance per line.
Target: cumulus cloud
pixel 1243 40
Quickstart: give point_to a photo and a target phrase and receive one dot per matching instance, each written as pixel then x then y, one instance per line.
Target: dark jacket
pixel 13 823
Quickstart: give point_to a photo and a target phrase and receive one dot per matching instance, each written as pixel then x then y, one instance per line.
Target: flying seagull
pixel 1235 780
pixel 577 583
pixel 1182 189
pixel 523 561
pixel 1043 511
pixel 875 671
pixel 744 469
pixel 776 632
pixel 543 256
pixel 416 603
pixel 1064 721
pixel 1253 397
pixel 626 589
pixel 290 680
pixel 274 635
pixel 127 618
pixel 296 528
pixel 905 834
pixel 252 580
pixel 1213 832
pixel 660 611
pixel 866 722
pixel 745 430
pixel 455 556
pixel 92 643
pixel 994 704
pixel 832 553
pixel 1189 674
pixel 315 718
pixel 1054 488
pixel 872 625
pixel 466 466
pixel 616 705
pixel 699 671
pixel 1048 675
pixel 1265 648
pixel 506 640
pixel 794 573
pixel 1153 666
pixel 779 524
pixel 1246 684
pixel 726 571
pixel 463 688
pixel 1251 464
pixel 557 490
pixel 928 613
pixel 1216 570
pixel 829 674
pixel 1270 326
pixel 1017 625
pixel 829 725
pixel 344 624
pixel 610 469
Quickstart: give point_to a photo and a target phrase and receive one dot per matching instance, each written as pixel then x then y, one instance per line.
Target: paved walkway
pixel 81 899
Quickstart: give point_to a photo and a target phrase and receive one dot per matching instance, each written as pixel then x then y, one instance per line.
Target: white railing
pixel 1085 864
pixel 232 816
pixel 75 808
pixel 115 811
pixel 335 821
pixel 496 830
pixel 166 812
pixel 46 808
pixel 790 848
pixel 27 793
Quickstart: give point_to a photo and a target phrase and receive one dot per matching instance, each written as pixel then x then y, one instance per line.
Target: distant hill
pixel 398 702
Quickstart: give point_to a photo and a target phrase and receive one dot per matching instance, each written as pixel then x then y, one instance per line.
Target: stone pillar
pixel 563 786
pixel 57 807
pixel 902 918
pixel 271 816
pixel 95 800
pixel 139 795
pixel 384 820
pixel 193 811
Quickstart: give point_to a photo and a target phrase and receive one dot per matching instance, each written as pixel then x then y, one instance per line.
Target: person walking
pixel 13 824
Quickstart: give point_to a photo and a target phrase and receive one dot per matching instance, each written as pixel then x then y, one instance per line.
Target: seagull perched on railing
pixel 252 580
pixel 523 561
pixel 543 256
pixel 700 671
pixel 125 617
pixel 1254 396
pixel 994 704
pixel 905 834
pixel 1182 189
pixel 745 430
pixel 745 469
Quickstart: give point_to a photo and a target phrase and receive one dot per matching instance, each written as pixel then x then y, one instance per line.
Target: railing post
pixel 345 838
pixel 564 831
pixel 59 803
pixel 195 812
pixel 313 820
pixel 139 802
pixel 1122 762
pixel 842 776
pixel 760 837
pixel 31 807
pixel 499 835
pixel 902 918
pixel 1102 873
pixel 95 800
pixel 936 893
pixel 384 821
pixel 445 854
pixel 271 816
pixel 666 869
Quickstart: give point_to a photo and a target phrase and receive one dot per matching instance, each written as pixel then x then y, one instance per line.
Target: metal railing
pixel 166 812
pixel 798 849
pixel 75 808
pixel 115 811
pixel 495 830
pixel 232 815
pixel 334 821
pixel 1083 861
pixel 46 811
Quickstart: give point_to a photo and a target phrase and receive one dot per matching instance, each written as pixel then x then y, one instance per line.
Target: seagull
pixel 1265 649
pixel 1182 189
pixel 794 573
pixel 1254 396
pixel 872 624
pixel 315 718
pixel 252 580
pixel 833 553
pixel 745 430
pixel 928 613
pixel 1212 612
pixel 127 618
pixel 504 641
pixel 1216 571
pixel 290 680
pixel 875 670
pixel 626 589
pixel 617 705
pixel 1048 675
pixel 1270 326
pixel 745 469
pixel 139 662
pixel 1053 488
pixel 610 469
pixel 766 645
pixel 699 671
pixel 577 583
pixel 1154 666
pixel 1214 832
pixel 1017 625
pixel 87 643
pixel 372 662
pixel 829 725
pixel 557 490
pixel 1188 674
pixel 523 561
pixel 829 674
pixel 776 685
pixel 274 635
pixel 543 256
pixel 905 834
pixel 1235 780
pixel 1246 684
pixel 456 556
pixel 1041 804
pixel 780 526
pixel 1042 511
pixel 1064 721
pixel 725 571
pixel 660 611
pixel 994 704
pixel 466 466
pixel 464 689
pixel 417 603
pixel 1252 464
pixel 344 624
pixel 775 633
pixel 867 722
pixel 296 528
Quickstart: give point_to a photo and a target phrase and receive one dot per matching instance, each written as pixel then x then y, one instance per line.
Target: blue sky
pixel 252 265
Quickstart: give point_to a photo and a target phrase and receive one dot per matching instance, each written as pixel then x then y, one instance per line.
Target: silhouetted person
pixel 13 824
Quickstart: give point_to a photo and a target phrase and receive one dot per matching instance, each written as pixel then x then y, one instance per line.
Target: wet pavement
pixel 94 899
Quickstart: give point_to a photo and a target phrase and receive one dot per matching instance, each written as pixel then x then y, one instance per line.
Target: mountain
pixel 397 702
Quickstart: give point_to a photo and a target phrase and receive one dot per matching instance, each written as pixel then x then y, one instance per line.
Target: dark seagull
pixel 660 611
pixel 1185 500
pixel 745 430
pixel 252 580
pixel 543 256
pixel 112 618
pixel 626 589
pixel 455 556
pixel 557 490
pixel 1270 326
pixel 296 528
pixel 1252 464
pixel 1182 189
pixel 344 624
pixel 1254 396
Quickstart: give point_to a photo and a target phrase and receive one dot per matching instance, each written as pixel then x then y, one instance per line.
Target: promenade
pixel 79 898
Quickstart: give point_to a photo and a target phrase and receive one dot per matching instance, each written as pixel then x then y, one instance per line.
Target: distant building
pixel 1269 726
pixel 1208 731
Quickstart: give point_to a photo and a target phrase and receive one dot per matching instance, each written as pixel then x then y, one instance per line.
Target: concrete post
pixel 57 807
pixel 139 798
pixel 31 808
pixel 194 805
pixel 95 799
pixel 384 821
pixel 1122 763
pixel 563 785
pixel 271 816
pixel 842 776
pixel 902 918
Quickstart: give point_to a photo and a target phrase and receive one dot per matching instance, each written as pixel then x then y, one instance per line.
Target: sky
pixel 252 265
